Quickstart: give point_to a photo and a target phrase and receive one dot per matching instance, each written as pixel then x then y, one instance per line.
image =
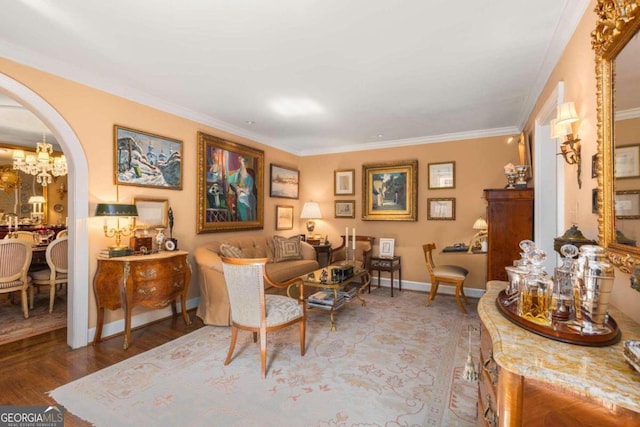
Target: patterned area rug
pixel 393 362
pixel 13 325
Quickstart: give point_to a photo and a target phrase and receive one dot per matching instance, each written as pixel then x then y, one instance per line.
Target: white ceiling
pixel 313 76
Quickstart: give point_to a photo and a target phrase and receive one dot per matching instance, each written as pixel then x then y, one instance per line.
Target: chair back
pixel 244 278
pixel 364 251
pixel 15 259
pixel 62 233
pixel 428 257
pixel 57 255
pixel 25 236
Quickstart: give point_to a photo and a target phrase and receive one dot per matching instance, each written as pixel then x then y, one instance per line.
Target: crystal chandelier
pixel 43 164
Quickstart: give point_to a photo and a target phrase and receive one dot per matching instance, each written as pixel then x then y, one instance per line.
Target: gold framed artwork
pixel 390 191
pixel 343 182
pixel 146 160
pixel 230 186
pixel 284 217
pixel 441 209
pixel 442 175
pixel 627 204
pixel 627 161
pixel 345 209
pixel 284 182
pixel 152 213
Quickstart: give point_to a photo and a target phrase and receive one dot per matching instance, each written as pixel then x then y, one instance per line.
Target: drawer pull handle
pixel 489 415
pixel 148 291
pixel 177 267
pixel 492 372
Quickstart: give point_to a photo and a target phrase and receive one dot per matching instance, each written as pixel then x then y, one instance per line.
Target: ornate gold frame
pixel 406 207
pixel 618 21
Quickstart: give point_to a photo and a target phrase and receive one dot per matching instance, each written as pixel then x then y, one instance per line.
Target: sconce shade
pixel 116 209
pixel 567 113
pixel 480 224
pixel 559 130
pixel 311 210
pixel 36 199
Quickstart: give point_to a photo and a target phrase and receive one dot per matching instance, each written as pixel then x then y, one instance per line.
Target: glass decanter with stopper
pixel 520 268
pixel 562 304
pixel 534 303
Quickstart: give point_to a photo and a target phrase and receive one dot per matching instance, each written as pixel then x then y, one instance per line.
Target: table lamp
pixel 117 210
pixel 311 211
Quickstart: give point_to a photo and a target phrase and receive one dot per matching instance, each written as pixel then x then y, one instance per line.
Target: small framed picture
pixel 627 204
pixel 594 201
pixel 594 166
pixel 442 175
pixel 386 247
pixel 284 217
pixel 284 182
pixel 345 209
pixel 441 209
pixel 627 161
pixel 343 182
pixel 152 213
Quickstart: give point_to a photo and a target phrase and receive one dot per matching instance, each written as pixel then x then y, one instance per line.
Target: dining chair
pixel 57 259
pixel 453 274
pixel 26 236
pixel 15 258
pixel 62 233
pixel 253 310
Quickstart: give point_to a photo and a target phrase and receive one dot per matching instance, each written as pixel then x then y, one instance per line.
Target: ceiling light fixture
pixel 43 165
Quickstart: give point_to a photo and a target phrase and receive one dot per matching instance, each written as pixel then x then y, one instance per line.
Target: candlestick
pixel 354 240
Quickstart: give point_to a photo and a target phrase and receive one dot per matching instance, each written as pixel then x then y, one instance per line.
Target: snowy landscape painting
pixel 147 160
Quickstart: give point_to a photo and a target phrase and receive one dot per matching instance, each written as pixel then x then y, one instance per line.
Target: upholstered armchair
pixel 56 274
pixel 364 251
pixel 15 258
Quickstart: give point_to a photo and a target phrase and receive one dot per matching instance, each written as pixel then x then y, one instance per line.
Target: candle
pixel 346 236
pixel 354 238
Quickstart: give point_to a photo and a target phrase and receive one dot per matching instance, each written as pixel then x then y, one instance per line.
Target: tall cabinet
pixel 510 219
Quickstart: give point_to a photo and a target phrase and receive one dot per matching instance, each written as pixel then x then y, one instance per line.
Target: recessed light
pixel 380 135
pixel 250 122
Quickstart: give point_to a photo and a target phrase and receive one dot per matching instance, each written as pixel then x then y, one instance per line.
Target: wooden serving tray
pixel 559 331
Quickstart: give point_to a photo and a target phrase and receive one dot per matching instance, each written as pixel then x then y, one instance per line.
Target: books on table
pixel 326 300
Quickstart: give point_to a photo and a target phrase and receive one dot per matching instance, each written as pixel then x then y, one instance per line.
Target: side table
pixel 323 253
pixel 388 264
pixel 152 281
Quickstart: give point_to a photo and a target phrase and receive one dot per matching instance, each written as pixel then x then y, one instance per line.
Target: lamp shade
pixel 567 113
pixel 36 199
pixel 480 224
pixel 311 210
pixel 116 209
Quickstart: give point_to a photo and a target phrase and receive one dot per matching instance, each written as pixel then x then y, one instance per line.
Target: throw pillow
pixel 231 251
pixel 286 249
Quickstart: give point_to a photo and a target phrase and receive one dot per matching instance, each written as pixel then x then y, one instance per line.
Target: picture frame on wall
pixel 343 180
pixel 284 182
pixel 284 217
pixel 146 160
pixel 442 175
pixel 230 186
pixel 627 161
pixel 627 204
pixel 152 213
pixel 390 191
pixel 345 209
pixel 441 209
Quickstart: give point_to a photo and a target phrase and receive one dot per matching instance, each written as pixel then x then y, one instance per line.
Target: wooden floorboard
pixel 34 366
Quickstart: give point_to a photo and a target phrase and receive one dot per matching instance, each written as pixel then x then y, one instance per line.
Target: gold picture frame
pixel 343 182
pixel 284 217
pixel 230 186
pixel 390 191
pixel 441 208
pixel 442 175
pixel 152 213
pixel 344 208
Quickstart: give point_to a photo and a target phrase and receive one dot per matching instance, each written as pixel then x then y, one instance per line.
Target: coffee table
pixel 314 280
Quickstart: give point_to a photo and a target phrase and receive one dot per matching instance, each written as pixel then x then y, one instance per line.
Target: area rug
pixel 393 362
pixel 13 325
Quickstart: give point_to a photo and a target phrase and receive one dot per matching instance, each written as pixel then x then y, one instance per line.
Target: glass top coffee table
pixel 333 295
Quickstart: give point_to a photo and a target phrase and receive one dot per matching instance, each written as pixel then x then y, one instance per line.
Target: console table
pixel 527 379
pixel 390 265
pixel 152 281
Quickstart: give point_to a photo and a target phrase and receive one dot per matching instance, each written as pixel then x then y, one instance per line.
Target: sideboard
pixel 530 380
pixel 152 281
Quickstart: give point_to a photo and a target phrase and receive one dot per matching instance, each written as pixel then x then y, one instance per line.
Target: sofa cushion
pixel 231 251
pixel 281 272
pixel 286 249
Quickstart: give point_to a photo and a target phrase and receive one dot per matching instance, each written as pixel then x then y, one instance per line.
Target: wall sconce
pixel 311 211
pixel 62 190
pixel 117 210
pixel 479 241
pixel 561 128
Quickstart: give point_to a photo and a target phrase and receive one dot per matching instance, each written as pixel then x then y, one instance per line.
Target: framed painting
pixel 230 186
pixel 442 175
pixel 284 217
pixel 390 191
pixel 345 209
pixel 146 160
pixel 343 182
pixel 284 182
pixel 441 209
pixel 627 161
pixel 387 247
pixel 152 213
pixel 627 204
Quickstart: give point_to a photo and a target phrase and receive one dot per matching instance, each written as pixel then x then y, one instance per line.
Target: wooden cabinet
pixel 529 380
pixel 152 281
pixel 510 219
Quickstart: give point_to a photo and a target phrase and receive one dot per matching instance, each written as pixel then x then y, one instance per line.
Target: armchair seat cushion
pixel 451 271
pixel 281 309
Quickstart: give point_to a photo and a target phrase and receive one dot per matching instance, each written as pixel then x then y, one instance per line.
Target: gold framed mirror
pixel 612 40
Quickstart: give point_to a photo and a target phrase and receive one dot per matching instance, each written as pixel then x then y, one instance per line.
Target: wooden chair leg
pixel 25 304
pixel 458 291
pixel 234 336
pixel 432 294
pixel 263 352
pixel 302 338
pixel 52 296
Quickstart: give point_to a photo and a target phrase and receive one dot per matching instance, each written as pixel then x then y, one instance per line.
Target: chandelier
pixel 43 165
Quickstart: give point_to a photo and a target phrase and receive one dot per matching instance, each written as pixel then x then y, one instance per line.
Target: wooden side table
pixel 323 253
pixel 388 264
pixel 152 281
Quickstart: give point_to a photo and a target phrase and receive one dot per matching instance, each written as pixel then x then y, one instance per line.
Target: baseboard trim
pixel 426 287
pixel 140 319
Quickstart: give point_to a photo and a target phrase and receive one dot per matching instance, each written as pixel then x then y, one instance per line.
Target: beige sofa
pixel 214 300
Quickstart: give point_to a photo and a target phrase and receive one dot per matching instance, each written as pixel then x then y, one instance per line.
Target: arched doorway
pixel 78 193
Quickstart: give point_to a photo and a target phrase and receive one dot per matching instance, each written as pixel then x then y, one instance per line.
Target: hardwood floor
pixel 34 366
